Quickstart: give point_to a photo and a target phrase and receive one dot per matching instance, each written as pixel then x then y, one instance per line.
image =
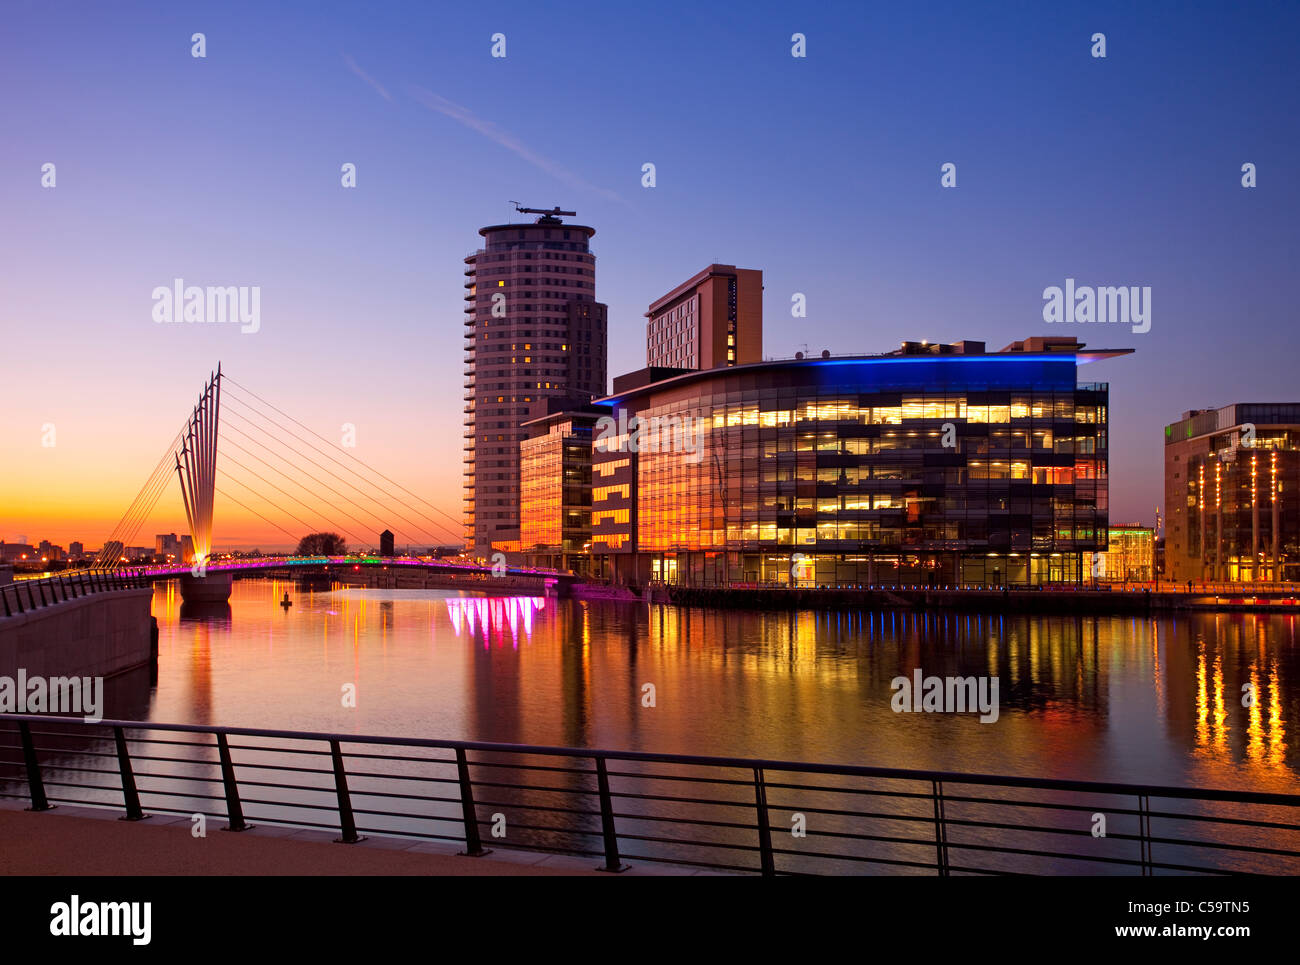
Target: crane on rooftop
pixel 551 214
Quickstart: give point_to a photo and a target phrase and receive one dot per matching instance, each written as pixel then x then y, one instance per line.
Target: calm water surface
pixel 1101 698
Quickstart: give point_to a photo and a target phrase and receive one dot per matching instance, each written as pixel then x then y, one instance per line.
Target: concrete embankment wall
pixel 97 636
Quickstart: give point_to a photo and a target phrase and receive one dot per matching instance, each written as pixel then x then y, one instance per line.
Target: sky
pixel 823 171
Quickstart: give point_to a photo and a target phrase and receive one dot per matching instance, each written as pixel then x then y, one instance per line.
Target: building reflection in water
pixel 481 616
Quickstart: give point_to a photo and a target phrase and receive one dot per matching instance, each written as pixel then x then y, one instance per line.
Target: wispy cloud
pixel 492 132
pixel 352 66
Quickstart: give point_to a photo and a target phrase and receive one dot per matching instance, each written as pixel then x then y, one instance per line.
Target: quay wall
pixel 98 635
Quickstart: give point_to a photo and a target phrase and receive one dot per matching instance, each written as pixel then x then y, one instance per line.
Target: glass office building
pixel 935 464
pixel 555 490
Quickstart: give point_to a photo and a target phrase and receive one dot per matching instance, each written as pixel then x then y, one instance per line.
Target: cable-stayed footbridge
pixel 237 446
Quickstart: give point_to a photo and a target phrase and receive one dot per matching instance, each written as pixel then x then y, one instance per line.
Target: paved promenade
pixel 90 841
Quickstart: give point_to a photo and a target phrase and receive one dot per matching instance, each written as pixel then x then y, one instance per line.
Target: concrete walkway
pixel 91 841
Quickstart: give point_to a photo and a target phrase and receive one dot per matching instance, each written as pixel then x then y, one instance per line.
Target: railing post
pixel 234 811
pixel 1144 833
pixel 612 862
pixel 473 843
pixel 940 828
pixel 346 824
pixel 130 795
pixel 35 785
pixel 764 828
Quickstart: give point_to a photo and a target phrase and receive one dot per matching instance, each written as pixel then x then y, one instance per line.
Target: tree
pixel 322 544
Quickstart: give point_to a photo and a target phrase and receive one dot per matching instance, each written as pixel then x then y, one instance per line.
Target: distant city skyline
pixel 823 172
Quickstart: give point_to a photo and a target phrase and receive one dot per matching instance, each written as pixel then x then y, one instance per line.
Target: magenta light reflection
pixel 486 614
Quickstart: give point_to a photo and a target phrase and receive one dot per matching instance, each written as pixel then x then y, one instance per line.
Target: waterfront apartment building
pixel 711 320
pixel 555 489
pixel 533 331
pixel 1232 493
pixel 933 464
pixel 1131 554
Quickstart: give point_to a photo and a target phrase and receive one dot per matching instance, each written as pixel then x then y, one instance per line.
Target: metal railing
pixel 731 814
pixel 24 596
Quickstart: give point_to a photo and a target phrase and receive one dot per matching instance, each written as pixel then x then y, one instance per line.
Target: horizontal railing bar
pixel 280 750
pixel 403 777
pixel 537 787
pixel 694 800
pixel 287 787
pixel 413 834
pixel 88 770
pixel 68 753
pixel 704 823
pixel 291 804
pixel 550 829
pixel 283 767
pixel 687 842
pixel 685 778
pixel 409 815
pixel 545 808
pixel 191 794
pixel 176 760
pixel 535 767
pixel 357 792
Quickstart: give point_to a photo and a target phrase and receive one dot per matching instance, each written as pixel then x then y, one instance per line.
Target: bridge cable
pixel 458 524
pixel 302 455
pixel 240 482
pixel 230 458
pixel 321 483
pixel 254 512
pixel 141 506
pixel 368 482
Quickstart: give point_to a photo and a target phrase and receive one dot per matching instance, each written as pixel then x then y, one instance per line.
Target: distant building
pixel 187 548
pixel 1232 503
pixel 17 552
pixel 76 550
pixel 167 544
pixel 713 319
pixel 49 551
pixel 1130 557
pixel 386 543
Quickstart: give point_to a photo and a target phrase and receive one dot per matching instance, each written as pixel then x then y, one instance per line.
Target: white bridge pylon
pixel 196 466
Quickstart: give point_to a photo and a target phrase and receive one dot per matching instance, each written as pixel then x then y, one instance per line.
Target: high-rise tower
pixel 533 331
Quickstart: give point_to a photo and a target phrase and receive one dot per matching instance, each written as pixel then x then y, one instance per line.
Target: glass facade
pixel 555 492
pixel 982 469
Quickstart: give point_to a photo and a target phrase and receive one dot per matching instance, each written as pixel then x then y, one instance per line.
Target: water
pixel 1093 698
